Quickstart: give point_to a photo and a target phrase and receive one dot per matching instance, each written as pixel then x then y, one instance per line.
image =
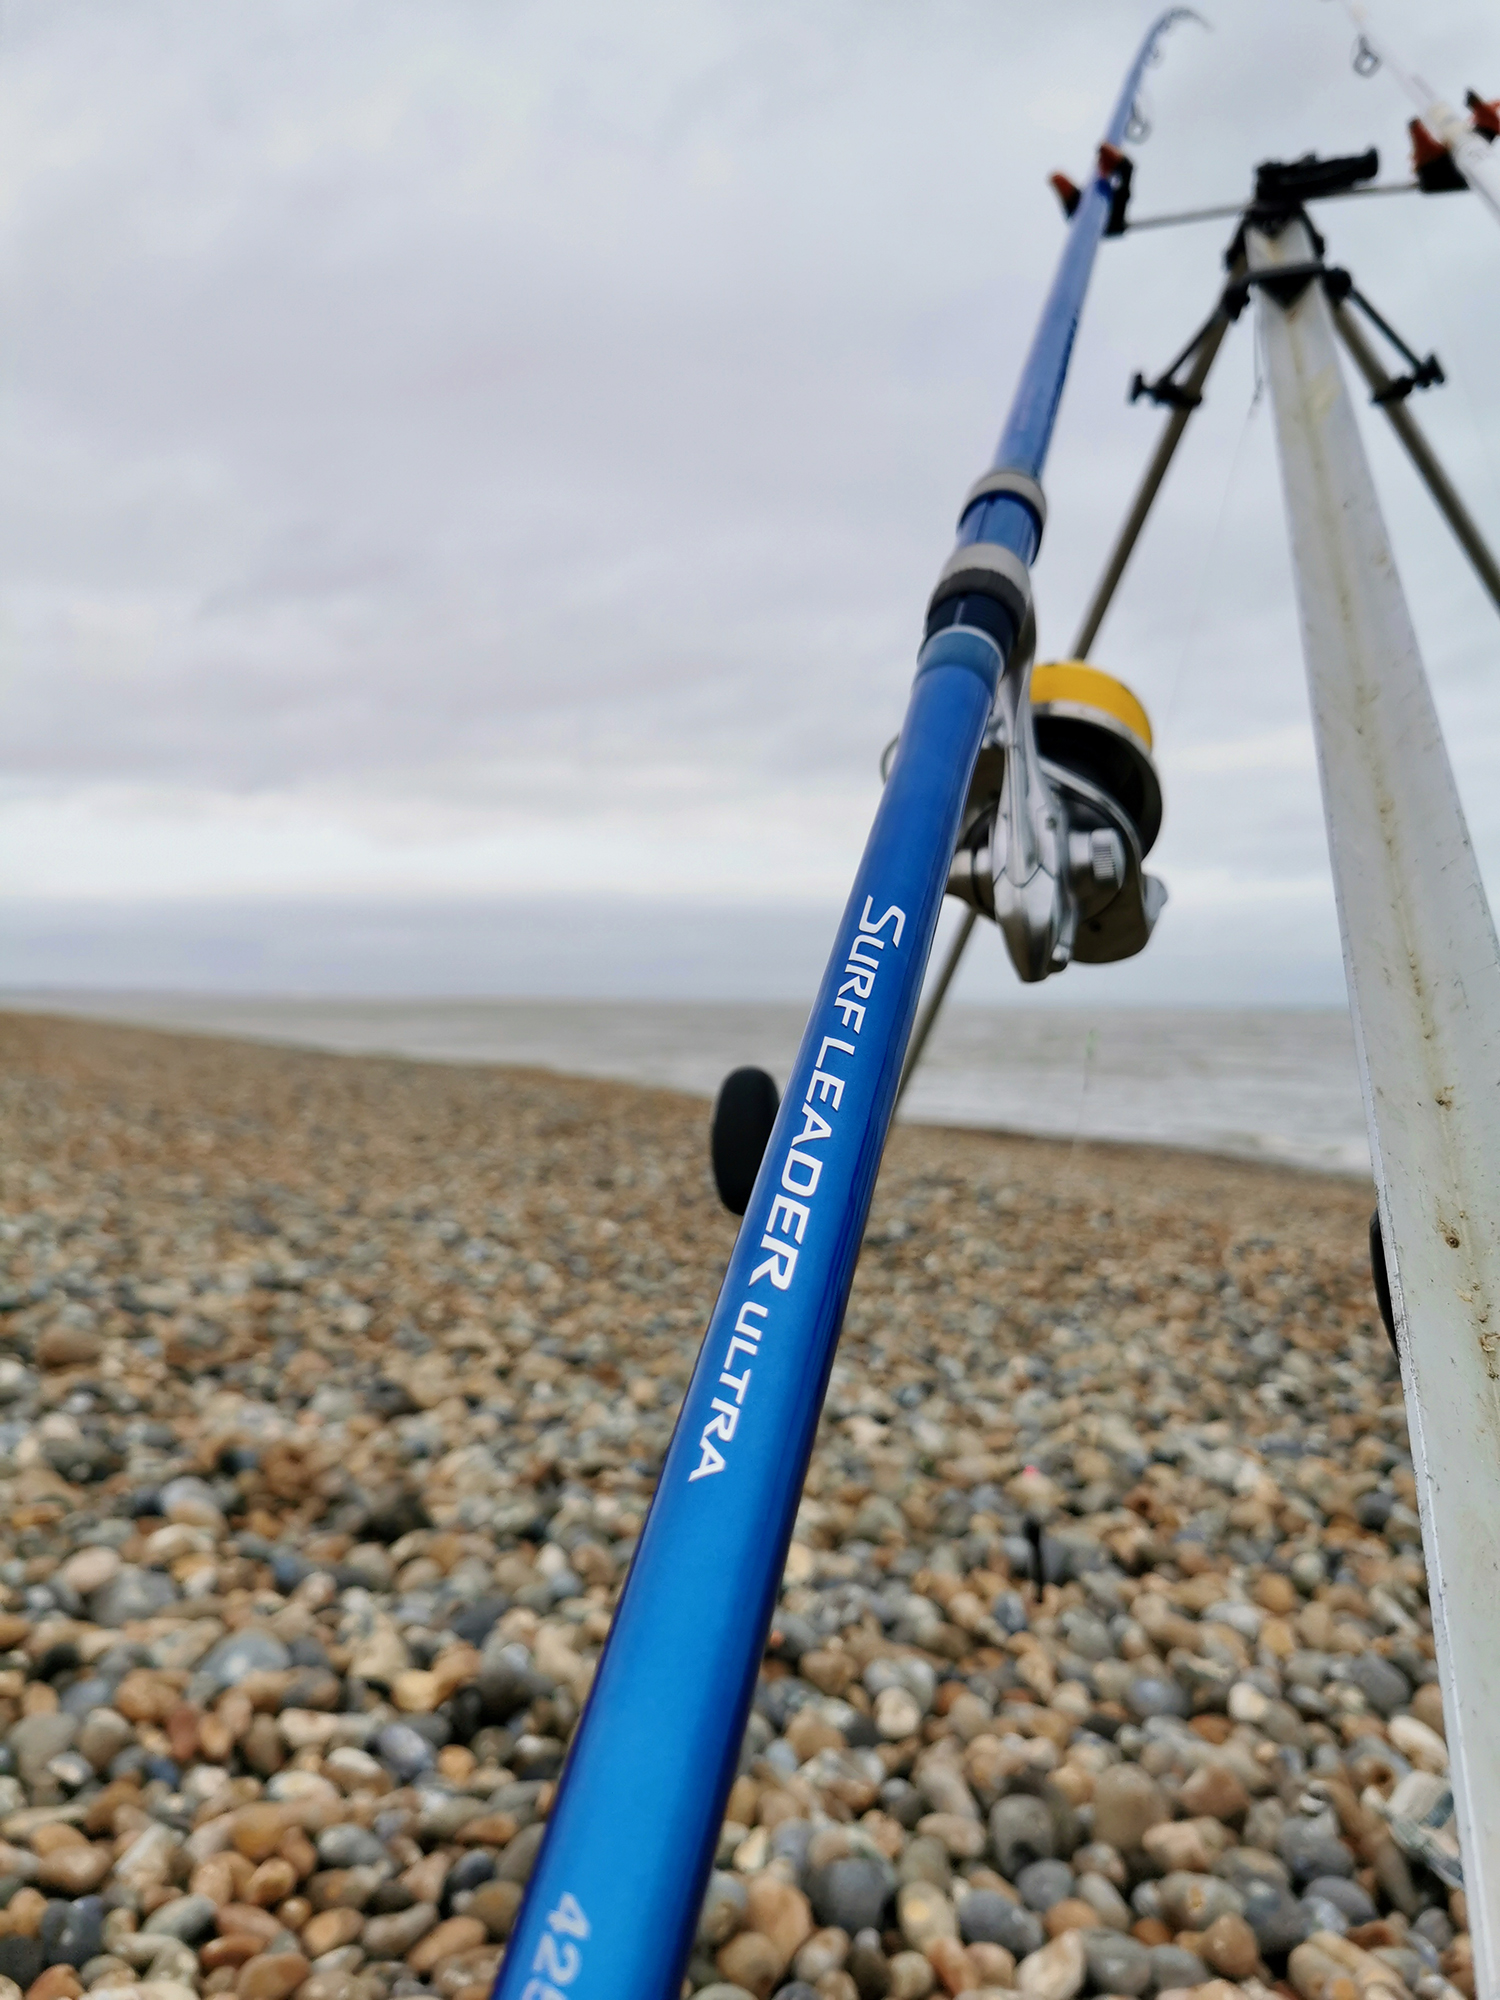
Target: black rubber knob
pixel 744 1113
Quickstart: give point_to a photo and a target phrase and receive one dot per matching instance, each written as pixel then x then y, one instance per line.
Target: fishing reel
pixel 1063 808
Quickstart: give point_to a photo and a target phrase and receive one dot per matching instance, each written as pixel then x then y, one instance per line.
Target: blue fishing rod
pixel 612 1905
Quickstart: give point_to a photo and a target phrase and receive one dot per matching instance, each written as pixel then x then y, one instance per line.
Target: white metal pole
pixel 1423 971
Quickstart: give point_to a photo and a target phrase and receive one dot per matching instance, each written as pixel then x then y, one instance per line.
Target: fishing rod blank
pixel 612 1905
pixel 1472 155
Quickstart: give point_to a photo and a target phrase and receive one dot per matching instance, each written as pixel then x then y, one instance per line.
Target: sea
pixel 1272 1084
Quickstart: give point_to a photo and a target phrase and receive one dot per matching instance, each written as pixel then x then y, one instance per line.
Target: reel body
pixel 1063 808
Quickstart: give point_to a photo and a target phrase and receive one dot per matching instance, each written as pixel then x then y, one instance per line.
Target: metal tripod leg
pixel 1088 631
pixel 1422 456
pixel 1423 969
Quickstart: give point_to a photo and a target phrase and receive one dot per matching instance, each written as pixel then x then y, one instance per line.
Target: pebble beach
pixel 332 1394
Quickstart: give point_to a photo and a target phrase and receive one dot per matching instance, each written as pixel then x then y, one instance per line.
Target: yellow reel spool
pixel 1092 723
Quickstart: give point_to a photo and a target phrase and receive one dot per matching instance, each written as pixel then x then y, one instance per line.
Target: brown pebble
pixel 447 1941
pixel 272 1976
pixel 23 1913
pixel 257 1830
pixel 1150 1931
pixel 58 1982
pixel 74 1871
pixel 99 1814
pixel 294 1913
pixel 495 1829
pixel 1427 1706
pixel 246 1920
pixel 780 1912
pixel 330 1930
pixel 222 1877
pixel 294 1846
pixel 13 1631
pixel 1215 1790
pixel 1071 1914
pixel 48 1839
pixel 495 1904
pixel 182 1731
pixel 1276 1593
pixel 751 1961
pixel 273 1881
pixel 214 1740
pixel 1228 1945
pixel 145 1696
pixel 232 1950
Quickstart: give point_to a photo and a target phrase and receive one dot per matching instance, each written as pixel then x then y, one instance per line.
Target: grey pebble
pixel 851 1892
pixel 1021 1831
pixel 1383 1686
pixel 1172 1966
pixel 1116 1964
pixel 987 1917
pixel 133 1594
pixel 189 1918
pixel 242 1653
pixel 723 1911
pixel 1044 1883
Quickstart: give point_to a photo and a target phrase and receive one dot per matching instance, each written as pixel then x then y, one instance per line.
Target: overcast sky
pixel 467 456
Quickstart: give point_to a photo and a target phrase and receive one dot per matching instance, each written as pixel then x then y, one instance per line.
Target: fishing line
pixel 1207 567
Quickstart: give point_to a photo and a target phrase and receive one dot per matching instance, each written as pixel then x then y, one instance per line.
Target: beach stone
pixel 724 1907
pixel 272 1976
pixel 21 1960
pixel 1172 1966
pixel 515 1863
pixel 987 1917
pixel 1192 1902
pixel 187 1918
pixel 1354 1902
pixel 906 1975
pixel 1229 1946
pixel 752 1962
pixel 102 1735
pixel 349 1847
pixel 72 1933
pixel 331 1930
pixel 1308 1850
pixel 1116 1964
pixel 64 1345
pixel 851 1892
pixel 495 1904
pixel 74 1871
pixel 1056 1972
pixel 723 1989
pixel 897 1713
pixel 1104 1899
pixel 1021 1831
pixel 251 1651
pixel 394 1936
pixel 1383 1686
pixel 1214 1790
pixel 826 1950
pixel 404 1751
pixel 1275 1916
pixel 131 1596
pixel 1128 1802
pixel 1154 1694
pixel 448 1940
pixel 1044 1883
pixel 779 1912
pixel 36 1739
pixel 924 1915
